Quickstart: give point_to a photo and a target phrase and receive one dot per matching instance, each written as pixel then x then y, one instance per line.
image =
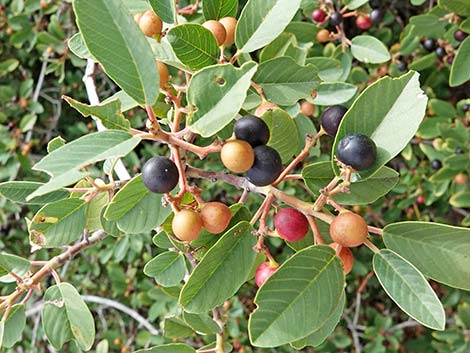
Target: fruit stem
pixel 259 90
pixel 321 200
pixel 234 57
pixel 317 237
pixel 375 230
pixel 371 246
pixel 336 205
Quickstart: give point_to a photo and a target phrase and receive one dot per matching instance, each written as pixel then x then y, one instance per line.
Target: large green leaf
pixel 460 70
pixel 65 316
pixel 217 9
pixel 460 7
pixel 167 268
pixel 109 113
pixel 114 39
pixel 214 279
pixel 409 289
pixel 12 263
pixel 369 50
pixel 331 93
pixel 194 45
pixel 58 223
pixel 168 348
pixel 439 251
pixel 201 323
pixel 262 21
pixel 218 92
pixel 165 53
pixel 174 327
pixel 362 192
pixel 297 298
pixel 285 82
pixel 65 163
pixel 18 191
pixel 136 209
pixel 376 115
pixel 278 47
pixel 165 9
pixel 14 326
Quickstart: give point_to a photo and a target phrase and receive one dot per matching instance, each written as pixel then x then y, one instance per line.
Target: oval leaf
pixel 165 9
pixel 217 9
pixel 12 263
pixel 168 348
pixel 369 50
pixel 460 70
pixel 167 268
pixel 331 93
pixel 18 191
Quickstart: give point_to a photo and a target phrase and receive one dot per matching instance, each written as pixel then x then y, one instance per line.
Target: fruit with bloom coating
pixel 215 217
pixel 263 272
pixel 331 118
pixel 336 19
pixel 290 224
pixel 237 156
pixel 186 225
pixel 252 129
pixel 266 168
pixel 357 151
pixel 348 229
pixel 160 175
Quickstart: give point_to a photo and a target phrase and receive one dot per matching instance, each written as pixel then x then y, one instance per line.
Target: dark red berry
pixel 459 35
pixel 436 164
pixel 450 59
pixel 290 224
pixel 331 118
pixel 252 129
pixel 376 16
pixel 318 15
pixel 363 22
pixel 160 175
pixel 266 168
pixel 336 19
pixel 357 151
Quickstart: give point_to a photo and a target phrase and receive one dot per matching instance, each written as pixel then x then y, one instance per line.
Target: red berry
pixel 263 272
pixel 363 22
pixel 318 15
pixel 291 224
pixel 420 199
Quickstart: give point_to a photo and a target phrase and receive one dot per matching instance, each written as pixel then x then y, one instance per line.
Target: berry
pixel 402 66
pixel 363 22
pixel 346 257
pixel 450 59
pixel 163 73
pixel 229 23
pixel 266 168
pixel 331 118
pixel 348 229
pixel 357 151
pixel 252 130
pixel 137 17
pixel 186 225
pixel 150 24
pixel 263 272
pixel 217 29
pixel 237 156
pixel 436 164
pixel 336 19
pixel 160 175
pixel 11 125
pixel 460 179
pixel 307 108
pixel 318 15
pixel 23 103
pixel 459 35
pixel 215 217
pixel 466 107
pixel 323 36
pixel 459 150
pixel 290 224
pixel 440 52
pixel 420 200
pixel 429 44
pixel 264 107
pixel 376 16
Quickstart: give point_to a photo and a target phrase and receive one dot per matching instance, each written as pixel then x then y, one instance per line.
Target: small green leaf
pixel 461 199
pixel 8 66
pixel 331 93
pixel 460 7
pixel 168 348
pixel 409 289
pixel 174 327
pixel 369 50
pixel 55 143
pixel 78 47
pixel 12 263
pixel 167 269
pixel 201 323
pixel 165 9
pixel 18 191
pixel 460 70
pixel 14 326
pixel 354 4
pixel 217 9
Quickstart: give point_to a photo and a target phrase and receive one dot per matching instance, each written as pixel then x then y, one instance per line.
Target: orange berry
pixel 307 108
pixel 346 256
pixel 237 156
pixel 323 36
pixel 264 107
pixel 163 73
pixel 229 23
pixel 150 24
pixel 217 29
pixel 215 217
pixel 348 229
pixel 186 225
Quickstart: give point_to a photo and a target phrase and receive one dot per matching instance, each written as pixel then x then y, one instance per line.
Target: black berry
pixel 331 118
pixel 357 151
pixel 459 35
pixel 436 164
pixel 466 107
pixel 376 16
pixel 160 175
pixel 252 130
pixel 266 168
pixel 402 66
pixel 459 150
pixel 440 52
pixel 336 19
pixel 429 44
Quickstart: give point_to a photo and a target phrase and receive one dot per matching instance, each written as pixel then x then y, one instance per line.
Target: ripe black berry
pixel 429 44
pixel 266 168
pixel 336 19
pixel 459 35
pixel 436 164
pixel 357 151
pixel 160 175
pixel 331 118
pixel 459 150
pixel 252 130
pixel 376 16
pixel 440 52
pixel 402 66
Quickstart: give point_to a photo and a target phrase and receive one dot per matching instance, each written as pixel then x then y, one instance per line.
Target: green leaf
pixel 194 45
pixel 12 263
pixel 320 335
pixel 65 316
pixel 217 9
pixel 165 9
pixel 174 327
pixel 311 283
pixel 14 326
pixel 168 348
pixel 354 4
pixel 427 25
pixel 201 323
pixel 460 70
pixel 362 192
pixel 328 69
pixel 214 279
pixel 331 93
pixel 262 21
pixel 136 209
pixel 65 163
pixel 164 53
pixel 18 191
pixel 94 210
pixel 450 245
pixel 278 47
pixel 8 66
pixel 408 288
pixel 284 137
pixel 401 110
pixel 55 143
pixel 461 199
pixel 218 92
pixel 369 50
pixel 285 82
pixel 58 223
pixel 114 39
pixel 78 47
pixel 460 7
pixel 167 269
pixel 127 103
pixel 109 113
